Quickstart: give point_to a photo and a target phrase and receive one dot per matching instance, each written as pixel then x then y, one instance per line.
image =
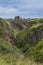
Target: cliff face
pixel 31 35
pixel 6 31
pixel 35 35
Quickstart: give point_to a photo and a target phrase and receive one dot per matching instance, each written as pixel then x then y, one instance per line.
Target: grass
pixel 36 52
pixel 16 32
pixel 9 54
pixel 36 26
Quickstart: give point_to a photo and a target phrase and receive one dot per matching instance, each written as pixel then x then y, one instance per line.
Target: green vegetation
pixel 28 40
pixel 36 52
pixel 16 31
pixel 9 55
pixel 21 41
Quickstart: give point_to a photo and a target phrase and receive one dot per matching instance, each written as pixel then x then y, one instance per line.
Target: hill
pixel 30 35
pixel 6 31
pixel 21 41
pixel 36 52
pixel 9 55
pixel 30 41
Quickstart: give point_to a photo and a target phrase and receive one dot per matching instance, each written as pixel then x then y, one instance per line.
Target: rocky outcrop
pixel 6 31
pixel 34 36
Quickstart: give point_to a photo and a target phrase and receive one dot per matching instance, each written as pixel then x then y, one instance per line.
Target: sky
pixel 23 8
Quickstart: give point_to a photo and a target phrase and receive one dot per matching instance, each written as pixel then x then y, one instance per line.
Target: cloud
pixel 31 8
pixel 31 4
pixel 7 11
pixel 23 8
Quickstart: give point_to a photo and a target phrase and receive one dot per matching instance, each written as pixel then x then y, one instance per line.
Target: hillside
pixel 36 52
pixel 9 55
pixel 29 39
pixel 6 31
pixel 21 41
pixel 31 35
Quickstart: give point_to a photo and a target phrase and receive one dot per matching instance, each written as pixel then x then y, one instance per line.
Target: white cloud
pixel 7 10
pixel 24 8
pixel 31 4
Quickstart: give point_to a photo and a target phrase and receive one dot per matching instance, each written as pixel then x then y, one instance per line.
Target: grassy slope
pixel 16 31
pixel 9 55
pixel 36 52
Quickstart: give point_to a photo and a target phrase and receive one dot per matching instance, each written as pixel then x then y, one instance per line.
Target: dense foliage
pixel 21 41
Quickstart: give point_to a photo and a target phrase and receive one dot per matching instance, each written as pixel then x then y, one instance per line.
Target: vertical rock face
pixel 34 36
pixel 40 34
pixel 9 36
pixel 6 31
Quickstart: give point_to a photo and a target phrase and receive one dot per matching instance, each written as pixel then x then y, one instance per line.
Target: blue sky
pixel 23 8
